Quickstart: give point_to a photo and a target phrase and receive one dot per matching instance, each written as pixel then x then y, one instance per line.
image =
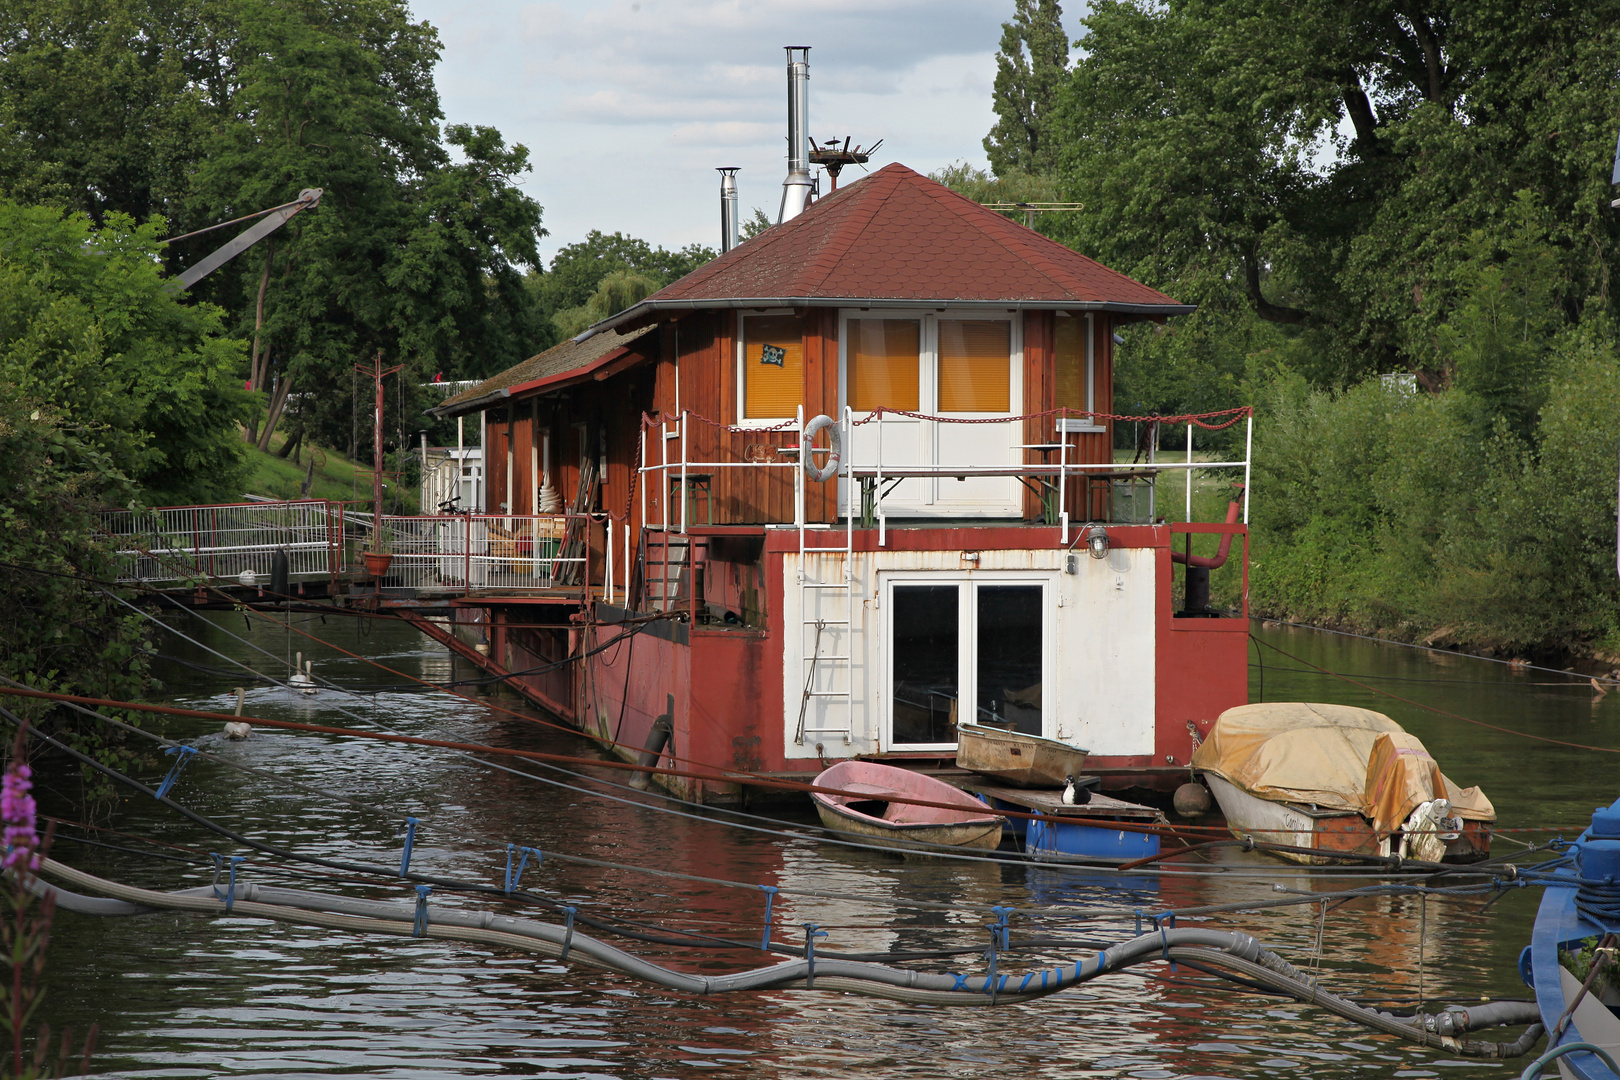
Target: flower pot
pixel 377 562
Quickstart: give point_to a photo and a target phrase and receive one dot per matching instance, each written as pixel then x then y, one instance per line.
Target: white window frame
pixel 967 639
pixel 1069 425
pixel 928 355
pixel 743 419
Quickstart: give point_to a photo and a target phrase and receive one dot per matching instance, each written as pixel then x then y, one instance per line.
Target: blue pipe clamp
pixel 410 840
pixel 186 753
pixel 220 868
pixel 419 928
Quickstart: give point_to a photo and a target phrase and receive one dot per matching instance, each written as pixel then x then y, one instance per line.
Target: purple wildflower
pixel 17 814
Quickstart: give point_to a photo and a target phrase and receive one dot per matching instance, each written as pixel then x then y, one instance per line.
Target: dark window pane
pixel 1009 675
pixel 925 663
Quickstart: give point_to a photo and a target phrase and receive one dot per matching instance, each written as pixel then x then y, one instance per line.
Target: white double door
pixel 968 646
pixel 897 443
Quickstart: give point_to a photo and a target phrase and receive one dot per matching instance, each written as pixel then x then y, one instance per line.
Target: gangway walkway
pixel 240 543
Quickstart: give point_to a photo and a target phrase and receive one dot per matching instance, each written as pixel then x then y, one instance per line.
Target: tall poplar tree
pixel 1030 71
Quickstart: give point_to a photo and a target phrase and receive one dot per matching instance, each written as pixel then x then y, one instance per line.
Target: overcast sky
pixel 628 106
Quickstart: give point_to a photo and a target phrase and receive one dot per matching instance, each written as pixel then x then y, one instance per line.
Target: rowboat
pixel 1338 778
pixel 864 809
pixel 1571 925
pixel 1014 758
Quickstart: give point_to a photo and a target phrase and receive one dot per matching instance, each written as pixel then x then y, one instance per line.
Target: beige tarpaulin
pixel 1337 757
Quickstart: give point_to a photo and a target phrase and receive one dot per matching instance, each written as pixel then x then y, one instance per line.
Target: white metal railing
pixel 486 551
pixel 864 479
pixel 226 541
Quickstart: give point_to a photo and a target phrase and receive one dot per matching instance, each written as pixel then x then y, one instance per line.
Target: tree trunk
pixel 291 445
pixel 259 363
pixel 277 403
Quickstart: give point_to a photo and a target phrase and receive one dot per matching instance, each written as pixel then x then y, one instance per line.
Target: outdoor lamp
pixel 1097 542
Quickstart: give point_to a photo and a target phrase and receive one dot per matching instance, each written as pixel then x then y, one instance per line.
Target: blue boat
pixel 1580 906
pixel 1100 831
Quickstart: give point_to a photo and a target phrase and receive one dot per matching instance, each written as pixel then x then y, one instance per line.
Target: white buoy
pixel 238 729
pixel 247 577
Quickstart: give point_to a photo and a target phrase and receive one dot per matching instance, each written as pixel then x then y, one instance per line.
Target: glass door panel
pixel 1007 662
pixel 925 664
pixel 975 371
pixel 885 364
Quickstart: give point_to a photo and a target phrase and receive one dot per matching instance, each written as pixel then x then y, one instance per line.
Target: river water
pixel 178 995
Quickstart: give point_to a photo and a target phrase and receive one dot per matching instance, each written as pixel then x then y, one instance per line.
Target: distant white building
pixel 449 473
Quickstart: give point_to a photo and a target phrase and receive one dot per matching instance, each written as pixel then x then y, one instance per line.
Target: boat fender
pixel 835 448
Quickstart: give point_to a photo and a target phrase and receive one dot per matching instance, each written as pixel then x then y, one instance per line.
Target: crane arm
pixel 260 229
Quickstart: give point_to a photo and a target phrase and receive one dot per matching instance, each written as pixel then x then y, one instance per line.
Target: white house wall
pixel 1099 683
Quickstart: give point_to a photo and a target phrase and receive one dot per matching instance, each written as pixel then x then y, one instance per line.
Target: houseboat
pixel 845 486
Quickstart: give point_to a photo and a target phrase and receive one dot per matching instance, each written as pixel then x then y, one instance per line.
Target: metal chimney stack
pixel 796 188
pixel 728 208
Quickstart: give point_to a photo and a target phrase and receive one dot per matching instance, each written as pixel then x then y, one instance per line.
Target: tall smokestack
pixel 728 208
pixel 796 188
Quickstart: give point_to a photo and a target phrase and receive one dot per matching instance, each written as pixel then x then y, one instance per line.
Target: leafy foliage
pixel 1205 138
pixel 1030 68
pixel 1421 514
pixel 204 113
pixel 605 273
pixel 87 324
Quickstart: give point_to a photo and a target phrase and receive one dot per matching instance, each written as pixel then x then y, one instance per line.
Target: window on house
pixel 1074 375
pixel 974 371
pixel 884 364
pixel 772 367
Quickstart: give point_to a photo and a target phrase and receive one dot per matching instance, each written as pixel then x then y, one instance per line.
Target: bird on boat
pixel 1068 791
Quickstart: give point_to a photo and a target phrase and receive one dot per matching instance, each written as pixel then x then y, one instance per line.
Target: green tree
pixel 1030 68
pixel 1204 137
pixel 207 112
pixel 88 327
pixel 579 270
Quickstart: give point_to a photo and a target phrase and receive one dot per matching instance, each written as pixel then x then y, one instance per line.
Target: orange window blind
pixel 1069 349
pixel 975 372
pixel 773 367
pixel 883 364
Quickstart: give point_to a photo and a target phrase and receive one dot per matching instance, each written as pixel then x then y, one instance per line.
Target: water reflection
pixel 182 996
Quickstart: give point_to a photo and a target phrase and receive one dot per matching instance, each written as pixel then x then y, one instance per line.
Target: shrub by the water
pixel 1438 515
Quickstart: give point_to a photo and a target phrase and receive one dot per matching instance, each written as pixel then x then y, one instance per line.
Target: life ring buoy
pixel 835 449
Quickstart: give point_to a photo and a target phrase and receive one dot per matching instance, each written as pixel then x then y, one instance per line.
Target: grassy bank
pixel 323 474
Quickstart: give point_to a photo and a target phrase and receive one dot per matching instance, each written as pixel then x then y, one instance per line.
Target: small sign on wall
pixel 773 354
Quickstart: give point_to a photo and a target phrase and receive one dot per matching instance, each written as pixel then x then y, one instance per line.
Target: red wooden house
pixel 973 552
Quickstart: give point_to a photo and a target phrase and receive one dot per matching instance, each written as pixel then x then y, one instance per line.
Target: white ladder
pixel 826 602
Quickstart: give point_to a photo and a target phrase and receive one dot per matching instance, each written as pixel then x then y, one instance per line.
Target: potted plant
pixel 381 552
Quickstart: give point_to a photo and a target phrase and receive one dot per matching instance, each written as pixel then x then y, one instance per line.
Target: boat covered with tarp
pixel 1338 778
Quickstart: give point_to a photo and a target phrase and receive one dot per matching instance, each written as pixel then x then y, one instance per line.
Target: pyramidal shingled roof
pixel 896 237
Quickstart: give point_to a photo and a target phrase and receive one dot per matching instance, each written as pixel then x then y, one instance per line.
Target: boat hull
pixel 1293 825
pixel 1015 758
pixel 863 808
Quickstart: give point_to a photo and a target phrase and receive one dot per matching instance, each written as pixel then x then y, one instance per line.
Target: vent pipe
pixel 796 188
pixel 728 208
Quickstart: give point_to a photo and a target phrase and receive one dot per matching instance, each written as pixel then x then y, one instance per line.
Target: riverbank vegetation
pixel 1395 221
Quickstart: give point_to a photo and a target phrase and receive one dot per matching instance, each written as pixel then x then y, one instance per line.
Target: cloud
pixel 628 105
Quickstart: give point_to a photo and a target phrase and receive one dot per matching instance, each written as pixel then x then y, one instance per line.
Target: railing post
pixel 877 486
pixel 1063 467
pixel 607 542
pixel 684 499
pixel 663 472
pixel 1248 457
pixel 849 492
pixel 1189 473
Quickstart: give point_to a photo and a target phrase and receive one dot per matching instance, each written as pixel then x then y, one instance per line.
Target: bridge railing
pixel 226 541
pixel 487 551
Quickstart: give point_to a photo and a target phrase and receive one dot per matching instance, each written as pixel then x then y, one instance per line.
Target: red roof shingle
pixel 898 236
